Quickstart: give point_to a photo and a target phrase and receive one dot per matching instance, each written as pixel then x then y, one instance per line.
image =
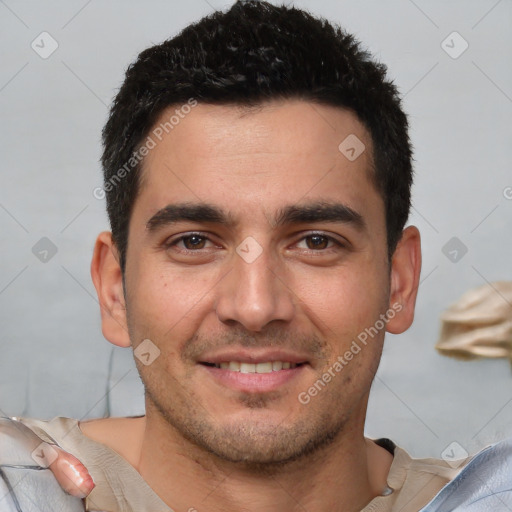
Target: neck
pixel 345 475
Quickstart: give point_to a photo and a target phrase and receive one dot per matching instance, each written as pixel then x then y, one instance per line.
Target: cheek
pixel 344 300
pixel 161 300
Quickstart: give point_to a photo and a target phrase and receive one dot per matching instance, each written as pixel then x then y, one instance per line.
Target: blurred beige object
pixel 479 324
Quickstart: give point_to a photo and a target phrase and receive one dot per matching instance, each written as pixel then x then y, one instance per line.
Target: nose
pixel 254 294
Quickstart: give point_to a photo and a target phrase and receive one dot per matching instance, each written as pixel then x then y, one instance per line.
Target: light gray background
pixel 53 358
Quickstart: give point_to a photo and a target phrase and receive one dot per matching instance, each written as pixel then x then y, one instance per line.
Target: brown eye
pixel 192 242
pixel 192 247
pixel 317 242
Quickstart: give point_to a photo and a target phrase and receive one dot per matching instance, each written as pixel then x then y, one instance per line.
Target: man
pixel 257 175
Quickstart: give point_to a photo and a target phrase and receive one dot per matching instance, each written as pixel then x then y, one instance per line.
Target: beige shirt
pixel 120 488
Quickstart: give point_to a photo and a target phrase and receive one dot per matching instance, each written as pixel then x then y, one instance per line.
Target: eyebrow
pixel 320 211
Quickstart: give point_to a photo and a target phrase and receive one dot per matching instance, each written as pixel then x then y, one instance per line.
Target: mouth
pixel 254 373
pixel 264 367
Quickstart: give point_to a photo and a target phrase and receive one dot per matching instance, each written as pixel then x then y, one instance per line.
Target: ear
pixel 107 278
pixel 405 276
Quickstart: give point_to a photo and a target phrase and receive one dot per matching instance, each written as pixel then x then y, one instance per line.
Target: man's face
pixel 260 282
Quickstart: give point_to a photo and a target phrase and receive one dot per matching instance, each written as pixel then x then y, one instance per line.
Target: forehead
pixel 257 159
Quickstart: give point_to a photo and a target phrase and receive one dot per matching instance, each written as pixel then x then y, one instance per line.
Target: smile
pixel 261 377
pixel 265 367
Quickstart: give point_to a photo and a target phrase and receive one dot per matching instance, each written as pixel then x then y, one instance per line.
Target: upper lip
pixel 252 356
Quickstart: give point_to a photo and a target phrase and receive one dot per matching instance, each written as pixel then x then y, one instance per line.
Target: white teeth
pixel 266 367
pixel 247 368
pixel 263 367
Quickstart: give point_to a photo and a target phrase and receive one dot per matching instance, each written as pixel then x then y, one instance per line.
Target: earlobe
pixel 405 275
pixel 108 281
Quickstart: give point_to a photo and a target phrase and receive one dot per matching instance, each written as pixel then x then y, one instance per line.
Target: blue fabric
pixel 484 484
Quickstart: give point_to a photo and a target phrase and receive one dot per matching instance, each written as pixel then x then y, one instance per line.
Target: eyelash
pixel 173 243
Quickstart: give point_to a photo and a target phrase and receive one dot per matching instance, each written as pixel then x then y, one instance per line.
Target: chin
pixel 262 445
pixel 270 450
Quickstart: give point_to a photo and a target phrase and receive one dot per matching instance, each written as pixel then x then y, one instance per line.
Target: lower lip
pixel 254 382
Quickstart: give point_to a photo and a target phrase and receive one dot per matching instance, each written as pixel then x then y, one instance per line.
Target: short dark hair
pixel 250 54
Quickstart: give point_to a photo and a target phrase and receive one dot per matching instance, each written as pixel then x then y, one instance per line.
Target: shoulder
pixel 105 429
pixel 484 484
pixel 123 435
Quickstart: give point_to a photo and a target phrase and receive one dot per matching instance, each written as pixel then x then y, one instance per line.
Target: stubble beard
pixel 257 446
